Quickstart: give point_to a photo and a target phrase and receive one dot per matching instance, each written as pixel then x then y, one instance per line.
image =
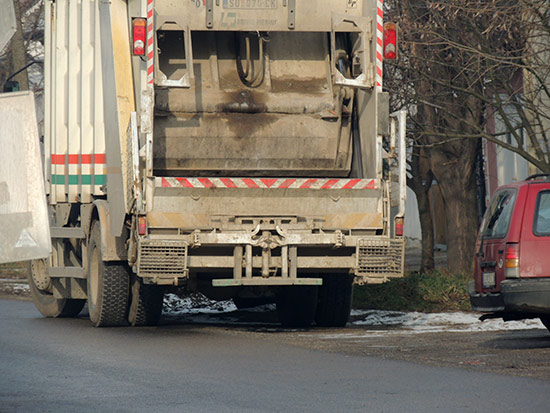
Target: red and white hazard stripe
pixel 150 41
pixel 379 42
pixel 268 183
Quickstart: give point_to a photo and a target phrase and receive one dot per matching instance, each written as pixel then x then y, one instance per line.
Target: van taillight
pixel 390 41
pixel 511 261
pixel 139 35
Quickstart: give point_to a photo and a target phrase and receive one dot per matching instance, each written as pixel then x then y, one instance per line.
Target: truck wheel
pixel 42 296
pixel 145 303
pixel 296 305
pixel 546 322
pixel 108 286
pixel 250 302
pixel 334 305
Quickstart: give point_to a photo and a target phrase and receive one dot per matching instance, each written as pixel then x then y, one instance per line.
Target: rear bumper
pixel 485 302
pixel 516 296
pixel 527 295
pixel 261 258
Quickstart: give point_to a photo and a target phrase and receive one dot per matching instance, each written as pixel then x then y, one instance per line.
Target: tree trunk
pixel 18 58
pixel 456 177
pixel 421 182
pixel 427 229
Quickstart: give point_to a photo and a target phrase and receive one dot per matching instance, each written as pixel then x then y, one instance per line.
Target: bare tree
pixel 440 83
pixel 29 37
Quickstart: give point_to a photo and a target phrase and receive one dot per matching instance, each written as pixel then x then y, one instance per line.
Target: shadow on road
pixel 524 340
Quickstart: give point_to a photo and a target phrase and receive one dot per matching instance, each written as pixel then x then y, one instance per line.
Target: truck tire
pixel 145 303
pixel 43 298
pixel 296 305
pixel 108 286
pixel 334 305
pixel 250 302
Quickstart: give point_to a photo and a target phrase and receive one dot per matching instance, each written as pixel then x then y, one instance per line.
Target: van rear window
pixel 541 224
pixel 497 218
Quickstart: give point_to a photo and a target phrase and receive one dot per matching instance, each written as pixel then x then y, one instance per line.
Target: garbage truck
pixel 243 149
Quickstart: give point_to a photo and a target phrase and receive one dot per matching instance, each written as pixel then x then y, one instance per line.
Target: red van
pixel 512 259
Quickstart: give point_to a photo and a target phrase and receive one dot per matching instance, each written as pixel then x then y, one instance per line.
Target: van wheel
pixel 296 305
pixel 546 322
pixel 42 296
pixel 108 286
pixel 335 297
pixel 145 303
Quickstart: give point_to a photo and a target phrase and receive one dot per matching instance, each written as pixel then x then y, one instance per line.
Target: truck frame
pixel 249 152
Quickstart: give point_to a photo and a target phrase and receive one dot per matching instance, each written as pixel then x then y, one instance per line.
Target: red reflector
pixel 139 35
pixel 399 223
pixel 142 225
pixel 390 41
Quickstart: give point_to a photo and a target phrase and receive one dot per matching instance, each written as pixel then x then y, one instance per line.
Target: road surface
pixel 67 365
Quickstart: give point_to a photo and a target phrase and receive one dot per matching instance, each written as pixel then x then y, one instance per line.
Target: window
pixel 497 218
pixel 541 223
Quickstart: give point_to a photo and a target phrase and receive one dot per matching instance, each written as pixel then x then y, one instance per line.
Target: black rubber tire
pixel 250 302
pixel 109 303
pixel 48 305
pixel 145 303
pixel 546 322
pixel 296 305
pixel 335 296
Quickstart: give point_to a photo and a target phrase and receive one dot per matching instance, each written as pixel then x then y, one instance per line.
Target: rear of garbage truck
pixel 240 148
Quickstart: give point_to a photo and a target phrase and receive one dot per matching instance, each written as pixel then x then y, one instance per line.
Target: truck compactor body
pixel 240 148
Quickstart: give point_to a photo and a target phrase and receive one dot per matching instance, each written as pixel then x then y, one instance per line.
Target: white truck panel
pixel 74 120
pixel 25 230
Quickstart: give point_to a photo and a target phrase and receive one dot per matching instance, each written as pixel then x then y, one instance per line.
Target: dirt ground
pixel 13 281
pixel 518 352
pixel 512 352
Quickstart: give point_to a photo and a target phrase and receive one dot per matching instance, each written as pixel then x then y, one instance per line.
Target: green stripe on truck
pixel 73 179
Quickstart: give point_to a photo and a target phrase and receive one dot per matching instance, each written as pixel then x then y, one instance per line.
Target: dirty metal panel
pixel 258 281
pixel 244 144
pixel 290 123
pixel 24 221
pixel 269 15
pixel 380 258
pixel 162 258
pixel 7 22
pixel 192 208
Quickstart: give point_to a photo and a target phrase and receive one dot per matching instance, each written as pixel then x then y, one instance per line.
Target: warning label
pixel 25 240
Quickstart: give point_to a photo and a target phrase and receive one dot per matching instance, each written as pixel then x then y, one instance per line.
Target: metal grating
pixel 380 257
pixel 162 258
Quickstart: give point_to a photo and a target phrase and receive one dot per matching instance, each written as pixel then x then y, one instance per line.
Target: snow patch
pixel 375 323
pixel 175 305
pixel 439 322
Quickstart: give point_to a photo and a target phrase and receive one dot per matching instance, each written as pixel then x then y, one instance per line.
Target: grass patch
pixel 426 292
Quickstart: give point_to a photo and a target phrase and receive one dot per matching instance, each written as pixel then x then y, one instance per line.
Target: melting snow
pixel 438 322
pixel 204 310
pixel 195 304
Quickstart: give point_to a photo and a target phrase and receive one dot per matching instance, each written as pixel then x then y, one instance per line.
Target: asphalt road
pixel 67 365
